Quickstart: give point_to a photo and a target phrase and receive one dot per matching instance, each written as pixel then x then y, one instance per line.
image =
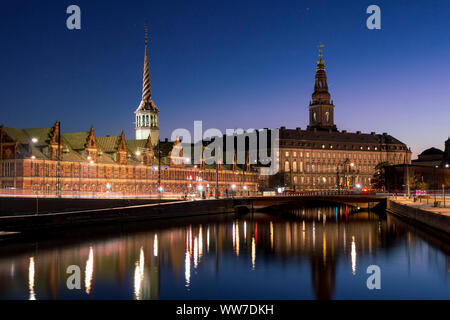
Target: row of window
pixel 324 168
pixel 340 155
pixel 306 180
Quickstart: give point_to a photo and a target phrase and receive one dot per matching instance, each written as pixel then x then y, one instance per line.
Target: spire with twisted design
pixel 147 102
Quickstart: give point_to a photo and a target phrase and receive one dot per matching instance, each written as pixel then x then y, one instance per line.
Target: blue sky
pixel 232 64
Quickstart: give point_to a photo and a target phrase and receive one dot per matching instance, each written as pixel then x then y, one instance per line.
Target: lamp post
pixel 58 165
pixel 435 184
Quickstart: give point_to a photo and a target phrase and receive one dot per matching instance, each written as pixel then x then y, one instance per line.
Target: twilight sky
pixel 232 64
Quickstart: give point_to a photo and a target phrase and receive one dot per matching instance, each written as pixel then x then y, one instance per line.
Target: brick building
pixel 49 161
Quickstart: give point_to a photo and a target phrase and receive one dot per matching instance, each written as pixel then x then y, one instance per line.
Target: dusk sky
pixel 232 64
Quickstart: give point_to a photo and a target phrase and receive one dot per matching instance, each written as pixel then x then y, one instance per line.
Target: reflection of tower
pixel 154 278
pixel 323 272
pixel 54 276
pixel 146 276
pixel 323 277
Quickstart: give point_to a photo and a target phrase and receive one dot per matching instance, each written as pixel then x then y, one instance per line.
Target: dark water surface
pixel 308 254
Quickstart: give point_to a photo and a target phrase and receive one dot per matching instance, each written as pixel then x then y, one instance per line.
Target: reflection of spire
pixel 187 268
pixel 139 275
pixel 253 253
pixel 353 256
pixel 31 274
pixel 155 246
pixel 89 271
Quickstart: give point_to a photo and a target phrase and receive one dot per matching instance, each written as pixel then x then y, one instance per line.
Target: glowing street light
pixel 33 157
pixel 160 189
pixel 34 140
pixel 138 153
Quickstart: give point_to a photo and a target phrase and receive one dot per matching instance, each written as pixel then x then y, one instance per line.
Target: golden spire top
pixel 320 61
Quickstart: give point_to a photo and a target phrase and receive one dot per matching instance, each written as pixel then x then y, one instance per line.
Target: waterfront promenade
pixel 423 205
pixel 421 212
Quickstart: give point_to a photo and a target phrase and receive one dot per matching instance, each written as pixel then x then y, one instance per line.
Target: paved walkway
pixel 424 206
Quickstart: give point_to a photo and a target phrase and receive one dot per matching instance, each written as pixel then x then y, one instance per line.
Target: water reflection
pixel 301 254
pixel 31 274
pixel 89 271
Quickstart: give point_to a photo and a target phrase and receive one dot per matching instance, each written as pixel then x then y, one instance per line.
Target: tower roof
pixel 320 94
pixel 147 101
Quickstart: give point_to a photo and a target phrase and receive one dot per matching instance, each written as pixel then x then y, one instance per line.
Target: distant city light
pixel 160 189
pixel 233 186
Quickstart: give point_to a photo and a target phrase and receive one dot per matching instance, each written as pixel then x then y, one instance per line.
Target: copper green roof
pixel 108 144
pixel 76 140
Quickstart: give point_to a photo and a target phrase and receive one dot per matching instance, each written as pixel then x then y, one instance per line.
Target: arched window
pixel 314 116
pixel 286 166
pixel 327 116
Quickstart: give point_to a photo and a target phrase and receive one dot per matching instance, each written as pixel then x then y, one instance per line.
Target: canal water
pixel 302 253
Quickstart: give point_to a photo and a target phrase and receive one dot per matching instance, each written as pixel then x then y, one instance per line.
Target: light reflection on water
pixel 312 253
